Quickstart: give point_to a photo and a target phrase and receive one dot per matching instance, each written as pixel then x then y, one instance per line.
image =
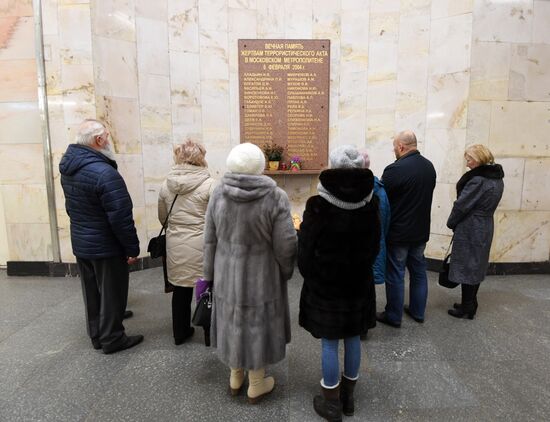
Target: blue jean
pixel 412 258
pixel 329 360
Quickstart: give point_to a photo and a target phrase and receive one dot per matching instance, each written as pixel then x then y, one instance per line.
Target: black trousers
pixel 105 291
pixel 469 296
pixel 181 311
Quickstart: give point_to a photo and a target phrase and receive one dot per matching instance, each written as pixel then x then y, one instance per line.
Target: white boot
pixel 236 380
pixel 258 385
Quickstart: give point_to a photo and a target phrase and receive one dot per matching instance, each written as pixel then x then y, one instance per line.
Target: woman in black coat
pixel 337 245
pixel 478 193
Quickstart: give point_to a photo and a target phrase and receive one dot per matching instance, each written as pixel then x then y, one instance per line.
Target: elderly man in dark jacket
pixel 409 184
pixel 103 234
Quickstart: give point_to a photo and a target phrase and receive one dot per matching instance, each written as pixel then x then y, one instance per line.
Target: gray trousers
pixel 105 292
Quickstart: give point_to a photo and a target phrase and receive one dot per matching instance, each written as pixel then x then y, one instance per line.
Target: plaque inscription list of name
pixel 284 96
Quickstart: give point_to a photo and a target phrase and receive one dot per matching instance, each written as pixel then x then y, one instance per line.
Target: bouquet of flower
pixel 295 163
pixel 273 152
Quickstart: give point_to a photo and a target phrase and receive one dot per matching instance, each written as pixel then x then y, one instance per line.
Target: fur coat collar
pixel 489 171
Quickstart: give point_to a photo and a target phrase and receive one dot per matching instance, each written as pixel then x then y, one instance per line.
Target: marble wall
pixel 455 71
pixel 24 223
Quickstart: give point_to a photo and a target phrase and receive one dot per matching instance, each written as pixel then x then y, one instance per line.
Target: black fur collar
pixel 489 171
pixel 350 185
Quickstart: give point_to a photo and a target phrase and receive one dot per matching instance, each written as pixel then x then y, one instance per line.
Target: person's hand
pixel 132 260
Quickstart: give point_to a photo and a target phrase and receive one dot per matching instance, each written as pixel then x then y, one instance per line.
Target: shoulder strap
pixel 450 244
pixel 168 216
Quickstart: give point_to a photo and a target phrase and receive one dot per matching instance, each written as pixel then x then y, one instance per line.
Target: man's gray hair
pixel 88 130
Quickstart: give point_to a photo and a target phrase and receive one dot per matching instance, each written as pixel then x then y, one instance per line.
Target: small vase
pixel 295 167
pixel 274 165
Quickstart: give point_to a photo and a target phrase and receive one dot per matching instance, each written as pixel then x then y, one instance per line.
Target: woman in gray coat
pixel 478 194
pixel 249 254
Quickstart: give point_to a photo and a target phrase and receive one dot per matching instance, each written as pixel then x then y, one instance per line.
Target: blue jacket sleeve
pixel 117 204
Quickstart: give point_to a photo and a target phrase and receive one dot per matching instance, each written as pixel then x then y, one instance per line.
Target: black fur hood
pixel 349 185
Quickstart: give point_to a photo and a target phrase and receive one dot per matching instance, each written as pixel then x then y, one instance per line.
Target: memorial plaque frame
pixel 284 92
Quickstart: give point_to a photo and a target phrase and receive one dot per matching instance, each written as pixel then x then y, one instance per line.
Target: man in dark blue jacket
pixel 103 234
pixel 409 184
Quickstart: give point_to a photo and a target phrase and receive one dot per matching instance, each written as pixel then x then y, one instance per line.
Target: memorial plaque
pixel 284 96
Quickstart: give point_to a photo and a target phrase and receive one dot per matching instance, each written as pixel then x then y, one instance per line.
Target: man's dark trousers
pixel 105 290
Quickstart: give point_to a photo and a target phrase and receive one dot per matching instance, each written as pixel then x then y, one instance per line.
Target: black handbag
pixel 203 311
pixel 444 272
pixel 157 245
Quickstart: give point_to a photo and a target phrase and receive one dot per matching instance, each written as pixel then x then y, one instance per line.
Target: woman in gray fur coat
pixel 249 255
pixel 478 193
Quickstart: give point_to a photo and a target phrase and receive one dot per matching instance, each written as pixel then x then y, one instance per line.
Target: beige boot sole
pixel 256 400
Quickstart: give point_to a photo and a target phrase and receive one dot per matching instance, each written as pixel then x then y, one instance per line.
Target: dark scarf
pixel 490 171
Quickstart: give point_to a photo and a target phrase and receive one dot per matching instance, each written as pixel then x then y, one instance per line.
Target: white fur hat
pixel 246 158
pixel 345 157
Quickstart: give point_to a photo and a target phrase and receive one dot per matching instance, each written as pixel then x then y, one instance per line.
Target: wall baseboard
pixel 65 269
pixel 503 268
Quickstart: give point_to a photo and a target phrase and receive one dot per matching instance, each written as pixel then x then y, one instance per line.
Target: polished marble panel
pixel 157 9
pixel 16 38
pixel 490 70
pixel 130 167
pixel 213 15
pixel 25 203
pixel 536 190
pixel 115 68
pixel 520 129
pixel 16 8
pixel 541 23
pixel 479 122
pixel 521 236
pixel 514 169
pixel 354 41
pixel 21 164
pixel 443 198
pixel 18 80
pixel 121 115
pixel 447 35
pixel 446 8
pixel 214 55
pixel 505 21
pixel 75 34
pixel 21 249
pixel 445 149
pixel 530 72
pixel 154 90
pixel 448 100
pixel 152 47
pixel 20 123
pixel 298 19
pixel 185 81
pixel 216 126
pixel 352 120
pixel 183 25
pixel 187 122
pixel 271 19
pixel 114 19
pixel 50 24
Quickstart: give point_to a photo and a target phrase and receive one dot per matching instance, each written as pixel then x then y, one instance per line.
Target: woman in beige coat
pixel 188 186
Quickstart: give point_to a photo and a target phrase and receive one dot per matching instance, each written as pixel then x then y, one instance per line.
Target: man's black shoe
pixel 96 343
pixel 381 317
pixel 408 312
pixel 131 341
pixel 127 314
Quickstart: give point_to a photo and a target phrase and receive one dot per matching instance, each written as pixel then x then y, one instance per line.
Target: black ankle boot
pixel 328 405
pixel 460 312
pixel 346 395
pixel 459 305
